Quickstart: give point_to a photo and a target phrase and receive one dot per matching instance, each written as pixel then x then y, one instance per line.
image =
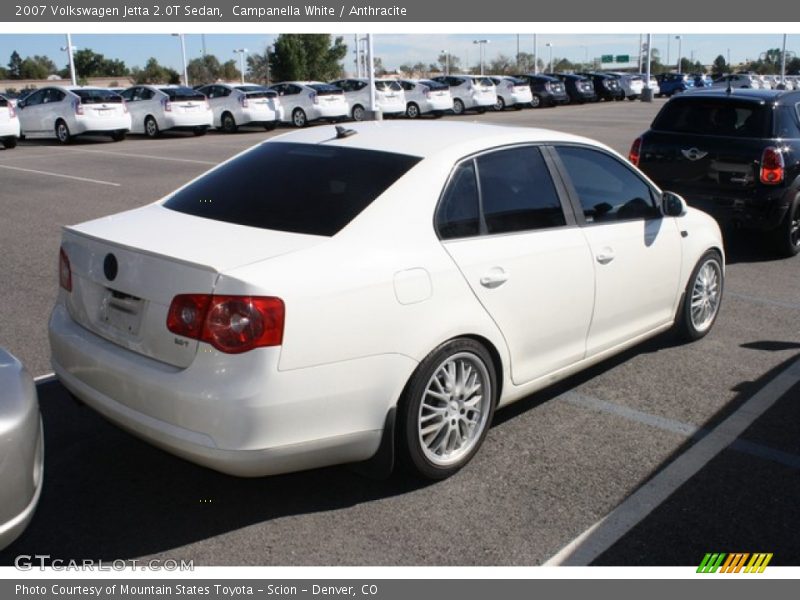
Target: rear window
pixel 386 86
pixel 482 81
pixel 434 85
pixel 182 94
pixel 324 89
pixel 3 101
pixel 97 96
pixel 710 116
pixel 299 188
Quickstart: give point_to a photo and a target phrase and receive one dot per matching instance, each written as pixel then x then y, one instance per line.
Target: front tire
pixel 63 134
pixel 536 101
pixel 199 131
pixel 788 240
pixel 118 136
pixel 702 298
pixel 271 126
pixel 447 408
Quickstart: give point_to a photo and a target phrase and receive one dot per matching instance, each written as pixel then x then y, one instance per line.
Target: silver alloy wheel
pixel 151 127
pixel 412 110
pixel 458 106
pixel 536 101
pixel 500 104
pixel 62 132
pixel 794 226
pixel 454 409
pixel 299 117
pixel 358 113
pixel 706 295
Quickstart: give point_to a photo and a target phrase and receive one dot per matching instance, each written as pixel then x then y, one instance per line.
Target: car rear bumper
pixel 9 128
pixel 436 104
pixel 236 414
pixel 258 116
pixel 760 212
pixel 321 111
pixel 100 125
pixel 188 120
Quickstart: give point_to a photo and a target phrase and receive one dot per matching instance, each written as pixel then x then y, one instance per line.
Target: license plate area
pixel 121 313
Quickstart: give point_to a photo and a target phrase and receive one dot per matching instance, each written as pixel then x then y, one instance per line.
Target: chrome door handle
pixel 606 256
pixel 494 278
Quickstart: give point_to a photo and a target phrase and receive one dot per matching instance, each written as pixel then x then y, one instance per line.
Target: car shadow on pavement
pixel 108 495
pixel 749 247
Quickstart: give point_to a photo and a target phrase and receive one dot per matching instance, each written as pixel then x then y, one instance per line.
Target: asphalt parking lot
pixel 654 457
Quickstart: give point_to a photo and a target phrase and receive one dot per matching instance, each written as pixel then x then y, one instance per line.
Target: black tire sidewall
pixel 686 329
pixel 784 242
pixel 409 451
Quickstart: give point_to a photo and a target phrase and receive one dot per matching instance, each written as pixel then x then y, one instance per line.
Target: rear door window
pixel 458 215
pixel 302 188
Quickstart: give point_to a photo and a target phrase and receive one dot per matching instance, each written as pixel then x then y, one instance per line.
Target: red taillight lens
pixel 314 98
pixel 636 149
pixel 772 166
pixel 426 91
pixel 64 271
pixel 243 101
pixel 232 324
pixel 167 105
pixel 78 107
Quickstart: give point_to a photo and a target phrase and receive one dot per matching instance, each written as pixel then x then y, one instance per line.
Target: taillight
pixel 208 106
pixel 124 106
pixel 427 91
pixel 313 97
pixel 243 101
pixel 510 87
pixel 12 112
pixel 231 324
pixel 77 107
pixel 166 104
pixel 772 165
pixel 636 149
pixel 64 271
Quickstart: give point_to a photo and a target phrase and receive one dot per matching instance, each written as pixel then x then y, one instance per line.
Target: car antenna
pixel 729 89
pixel 342 132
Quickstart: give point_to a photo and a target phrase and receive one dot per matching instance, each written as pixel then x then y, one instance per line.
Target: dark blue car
pixel 674 83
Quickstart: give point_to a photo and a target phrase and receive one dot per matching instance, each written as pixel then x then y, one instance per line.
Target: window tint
pixel 35 98
pixel 177 94
pixel 607 189
pixel 711 116
pixel 96 96
pixel 458 211
pixel 269 187
pixel 517 192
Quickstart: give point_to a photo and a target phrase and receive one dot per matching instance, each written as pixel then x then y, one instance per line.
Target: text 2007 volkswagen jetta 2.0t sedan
pixel 335 294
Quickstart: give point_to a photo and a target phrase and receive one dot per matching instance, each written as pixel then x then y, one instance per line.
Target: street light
pixel 481 43
pixel 446 62
pixel 70 50
pixel 677 37
pixel 241 52
pixel 550 45
pixel 183 54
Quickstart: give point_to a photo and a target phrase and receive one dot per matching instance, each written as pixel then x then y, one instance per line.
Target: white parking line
pixel 146 156
pixel 49 174
pixel 607 531
pixel 46 378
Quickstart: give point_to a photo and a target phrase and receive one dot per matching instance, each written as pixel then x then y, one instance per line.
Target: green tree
pixel 37 67
pixel 719 67
pixel 229 71
pixel 793 66
pixel 15 66
pixel 92 64
pixel 258 68
pixel 206 69
pixel 155 73
pixel 455 63
pixel 3 73
pixel 307 56
pixel 500 65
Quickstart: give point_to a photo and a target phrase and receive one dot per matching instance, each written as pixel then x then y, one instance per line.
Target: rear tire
pixel 788 240
pixel 299 118
pixel 446 409
pixel 118 136
pixel 63 134
pixel 228 123
pixel 151 129
pixel 199 131
pixel 500 105
pixel 536 101
pixel 412 111
pixel 358 113
pixel 270 126
pixel 701 300
pixel 9 143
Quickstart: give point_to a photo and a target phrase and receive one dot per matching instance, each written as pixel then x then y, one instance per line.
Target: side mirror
pixel 20 104
pixel 672 205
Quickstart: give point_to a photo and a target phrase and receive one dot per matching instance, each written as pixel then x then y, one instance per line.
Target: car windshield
pixel 711 116
pixel 97 96
pixel 301 188
pixel 177 94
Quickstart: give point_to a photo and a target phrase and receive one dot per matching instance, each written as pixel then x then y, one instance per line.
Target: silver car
pixel 21 449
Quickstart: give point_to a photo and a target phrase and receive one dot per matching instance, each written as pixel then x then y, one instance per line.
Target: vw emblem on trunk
pixel 110 267
pixel 694 153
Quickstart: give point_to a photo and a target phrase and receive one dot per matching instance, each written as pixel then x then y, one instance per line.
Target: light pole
pixel 183 54
pixel 481 44
pixel 70 50
pixel 550 45
pixel 241 52
pixel 677 37
pixel 535 59
pixel 267 51
pixel 446 62
pixel 783 63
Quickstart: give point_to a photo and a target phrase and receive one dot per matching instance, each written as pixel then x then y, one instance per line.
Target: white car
pixel 158 108
pixel 9 123
pixel 64 112
pixel 424 96
pixel 389 96
pixel 307 101
pixel 511 91
pixel 470 92
pixel 354 289
pixel 631 84
pixel 21 449
pixel 238 105
pixel 738 80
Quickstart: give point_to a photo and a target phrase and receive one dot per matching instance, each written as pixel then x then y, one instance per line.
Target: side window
pixel 517 192
pixel 56 95
pixel 292 89
pixel 35 98
pixel 458 211
pixel 608 190
pixel 407 85
pixel 359 85
pixel 147 93
pixel 127 94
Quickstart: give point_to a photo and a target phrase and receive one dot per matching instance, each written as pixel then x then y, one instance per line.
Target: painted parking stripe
pixel 49 174
pixel 146 156
pixel 607 531
pixel 46 378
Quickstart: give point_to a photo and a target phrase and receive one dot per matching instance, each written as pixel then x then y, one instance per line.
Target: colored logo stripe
pixel 734 562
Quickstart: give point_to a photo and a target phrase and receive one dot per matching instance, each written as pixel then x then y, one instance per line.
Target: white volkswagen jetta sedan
pixel 333 294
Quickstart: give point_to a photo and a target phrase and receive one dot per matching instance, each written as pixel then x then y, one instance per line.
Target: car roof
pixel 426 140
pixel 755 95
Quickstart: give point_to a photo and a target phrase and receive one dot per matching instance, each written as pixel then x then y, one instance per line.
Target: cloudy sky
pixel 397 49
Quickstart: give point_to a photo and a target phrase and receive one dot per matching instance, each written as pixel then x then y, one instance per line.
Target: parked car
pixel 389 96
pixel 9 124
pixel 653 83
pixel 674 83
pixel 546 90
pixel 511 91
pixel 578 88
pixel 701 80
pixel 306 101
pixel 373 299
pixel 630 83
pixel 734 155
pixel 425 96
pixel 470 92
pixel 64 112
pixel 158 108
pixel 21 449
pixel 239 105
pixel 737 80
pixel 605 86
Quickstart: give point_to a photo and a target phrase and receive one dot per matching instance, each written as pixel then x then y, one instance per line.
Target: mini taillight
pixel 772 166
pixel 64 271
pixel 231 324
pixel 166 104
pixel 636 149
pixel 243 101
pixel 77 107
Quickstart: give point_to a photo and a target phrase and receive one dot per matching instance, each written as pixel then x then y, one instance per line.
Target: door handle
pixel 605 256
pixel 494 278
